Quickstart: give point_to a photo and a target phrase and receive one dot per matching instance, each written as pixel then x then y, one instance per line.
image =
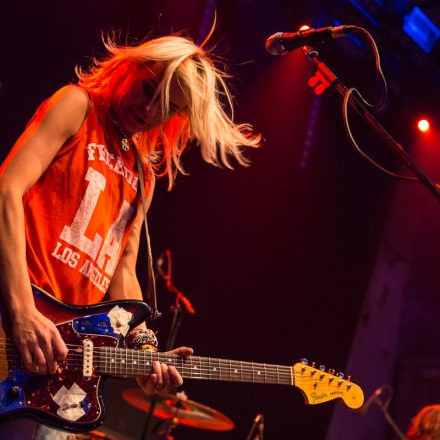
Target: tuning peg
pixel 341 375
pixel 331 371
pixel 304 361
pixel 313 364
pixel 322 367
pixel 349 378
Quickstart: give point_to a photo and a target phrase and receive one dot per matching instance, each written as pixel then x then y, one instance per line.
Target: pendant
pixel 125 144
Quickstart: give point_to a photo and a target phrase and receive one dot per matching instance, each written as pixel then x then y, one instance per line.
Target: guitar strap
pixel 151 288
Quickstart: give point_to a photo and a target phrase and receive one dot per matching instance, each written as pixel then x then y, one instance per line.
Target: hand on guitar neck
pixel 164 377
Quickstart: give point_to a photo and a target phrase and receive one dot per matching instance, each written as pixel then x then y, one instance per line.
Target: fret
pixel 128 362
pixel 155 355
pixel 124 362
pixel 188 366
pixel 112 360
pixel 234 371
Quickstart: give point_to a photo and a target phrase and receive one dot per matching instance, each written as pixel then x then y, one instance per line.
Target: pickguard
pixel 32 393
pixel 67 399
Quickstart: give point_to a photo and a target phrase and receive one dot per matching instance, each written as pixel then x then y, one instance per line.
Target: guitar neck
pixel 127 362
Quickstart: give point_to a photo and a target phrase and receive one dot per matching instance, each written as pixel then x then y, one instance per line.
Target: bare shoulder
pixel 55 122
pixel 66 110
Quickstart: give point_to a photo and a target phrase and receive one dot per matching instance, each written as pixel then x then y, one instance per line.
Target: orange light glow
pixel 304 27
pixel 423 125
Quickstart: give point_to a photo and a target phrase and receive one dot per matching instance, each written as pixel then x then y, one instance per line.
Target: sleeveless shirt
pixel 79 214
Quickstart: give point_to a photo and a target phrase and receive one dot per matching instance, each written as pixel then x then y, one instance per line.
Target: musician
pixel 426 424
pixel 71 210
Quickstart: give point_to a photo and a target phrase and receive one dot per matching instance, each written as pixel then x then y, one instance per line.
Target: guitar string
pixel 197 361
pixel 223 364
pixel 225 370
pixel 145 366
pixel 170 356
pixel 203 363
pixel 189 373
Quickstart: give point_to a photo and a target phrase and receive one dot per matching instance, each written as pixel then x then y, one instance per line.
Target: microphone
pixel 281 43
pixel 377 392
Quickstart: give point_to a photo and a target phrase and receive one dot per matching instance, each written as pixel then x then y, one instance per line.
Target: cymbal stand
pixel 167 426
pixel 149 416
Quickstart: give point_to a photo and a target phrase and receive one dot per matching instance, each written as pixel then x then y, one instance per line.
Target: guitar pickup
pixel 87 358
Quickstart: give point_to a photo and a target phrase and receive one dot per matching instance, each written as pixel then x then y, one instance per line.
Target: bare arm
pixel 125 285
pixel 37 338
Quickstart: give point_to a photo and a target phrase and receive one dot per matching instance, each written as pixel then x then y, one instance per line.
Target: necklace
pixel 125 143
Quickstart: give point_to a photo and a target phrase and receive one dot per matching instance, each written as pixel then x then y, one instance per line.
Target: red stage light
pixel 423 125
pixel 304 27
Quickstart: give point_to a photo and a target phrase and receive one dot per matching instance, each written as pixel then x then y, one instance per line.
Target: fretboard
pixel 127 362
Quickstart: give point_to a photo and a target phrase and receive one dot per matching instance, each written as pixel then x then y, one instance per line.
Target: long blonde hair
pixel 209 116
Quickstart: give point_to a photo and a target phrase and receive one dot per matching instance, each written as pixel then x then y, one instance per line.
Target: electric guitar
pixel 71 399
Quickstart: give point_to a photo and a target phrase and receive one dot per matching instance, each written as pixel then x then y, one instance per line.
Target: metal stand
pixel 328 79
pixel 179 298
pixel 149 416
pixel 390 420
pixel 257 429
pixel 166 427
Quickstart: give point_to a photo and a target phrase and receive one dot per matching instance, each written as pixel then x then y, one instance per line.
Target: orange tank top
pixel 79 214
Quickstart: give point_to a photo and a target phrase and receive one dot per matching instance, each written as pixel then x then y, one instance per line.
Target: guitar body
pixel 68 399
pixel 71 398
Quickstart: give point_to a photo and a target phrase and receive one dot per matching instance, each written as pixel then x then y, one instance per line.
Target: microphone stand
pixel 257 429
pixel 330 79
pixel 375 398
pixel 179 298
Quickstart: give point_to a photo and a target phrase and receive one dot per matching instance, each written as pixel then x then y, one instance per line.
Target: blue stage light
pixel 421 29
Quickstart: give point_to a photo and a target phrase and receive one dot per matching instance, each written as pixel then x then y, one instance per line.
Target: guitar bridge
pixel 87 358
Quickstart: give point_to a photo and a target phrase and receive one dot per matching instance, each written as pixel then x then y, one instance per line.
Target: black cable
pixel 382 100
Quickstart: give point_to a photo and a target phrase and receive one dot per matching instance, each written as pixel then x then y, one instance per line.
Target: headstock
pixel 319 386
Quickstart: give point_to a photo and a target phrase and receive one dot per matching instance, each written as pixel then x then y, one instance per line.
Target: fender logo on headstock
pixel 314 396
pixel 318 385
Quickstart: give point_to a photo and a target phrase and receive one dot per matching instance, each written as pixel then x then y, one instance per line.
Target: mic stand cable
pixel 332 80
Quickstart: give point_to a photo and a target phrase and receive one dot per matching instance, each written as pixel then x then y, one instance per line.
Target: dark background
pixel 276 257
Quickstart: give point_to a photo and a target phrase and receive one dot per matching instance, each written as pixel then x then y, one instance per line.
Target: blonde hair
pixel 426 424
pixel 206 116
